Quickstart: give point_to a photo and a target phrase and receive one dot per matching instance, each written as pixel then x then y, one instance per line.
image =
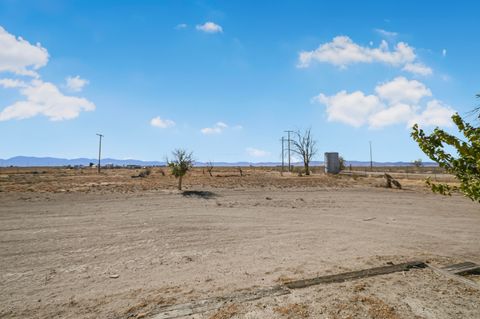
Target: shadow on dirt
pixel 199 194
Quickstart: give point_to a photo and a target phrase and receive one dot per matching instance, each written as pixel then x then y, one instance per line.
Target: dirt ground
pixel 76 245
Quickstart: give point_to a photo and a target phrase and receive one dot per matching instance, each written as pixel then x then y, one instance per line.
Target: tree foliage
pixel 182 162
pixel 305 146
pixel 465 165
pixel 417 163
pixel 341 161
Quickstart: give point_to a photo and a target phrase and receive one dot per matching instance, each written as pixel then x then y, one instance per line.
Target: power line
pixel 99 150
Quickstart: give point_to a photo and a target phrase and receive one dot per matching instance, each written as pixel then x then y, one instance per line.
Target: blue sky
pixel 226 78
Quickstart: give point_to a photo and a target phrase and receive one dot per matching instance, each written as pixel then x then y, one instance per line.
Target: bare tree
pixel 305 146
pixel 210 168
pixel 182 162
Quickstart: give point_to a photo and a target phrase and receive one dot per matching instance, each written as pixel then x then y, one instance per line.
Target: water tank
pixel 332 163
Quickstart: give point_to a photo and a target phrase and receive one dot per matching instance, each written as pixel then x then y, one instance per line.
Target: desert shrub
pixel 210 168
pixel 417 163
pixel 342 163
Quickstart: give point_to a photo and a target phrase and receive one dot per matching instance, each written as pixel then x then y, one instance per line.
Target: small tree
pixel 305 146
pixel 182 162
pixel 417 163
pixel 466 166
pixel 341 160
pixel 210 168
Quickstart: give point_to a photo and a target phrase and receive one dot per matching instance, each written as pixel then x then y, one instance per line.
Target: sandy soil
pixel 124 254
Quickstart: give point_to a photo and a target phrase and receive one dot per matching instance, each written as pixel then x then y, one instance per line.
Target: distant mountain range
pixel 25 161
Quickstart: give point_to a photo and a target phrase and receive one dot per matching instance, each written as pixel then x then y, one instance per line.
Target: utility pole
pixel 99 150
pixel 371 160
pixel 289 165
pixel 283 154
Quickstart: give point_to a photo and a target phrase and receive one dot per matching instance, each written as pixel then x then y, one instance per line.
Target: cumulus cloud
pixel 161 123
pixel 353 109
pixel 44 98
pixel 22 59
pixel 417 68
pixel 76 83
pixel 12 83
pixel 342 52
pixel 19 56
pixel 395 114
pixel 209 27
pixel 255 152
pixel 395 102
pixel 218 128
pixel 402 90
pixel 435 114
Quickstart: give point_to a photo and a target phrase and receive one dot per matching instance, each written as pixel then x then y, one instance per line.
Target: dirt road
pixel 118 255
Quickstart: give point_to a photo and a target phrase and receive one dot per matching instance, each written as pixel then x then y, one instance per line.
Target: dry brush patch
pixel 293 311
pixel 87 180
pixel 226 312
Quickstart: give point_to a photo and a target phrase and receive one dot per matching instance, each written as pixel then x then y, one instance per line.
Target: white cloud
pixel 218 128
pixel 353 109
pixel 161 123
pixel 435 114
pixel 12 83
pixel 255 152
pixel 209 27
pixel 76 83
pixel 402 90
pixel 44 98
pixel 181 26
pixel 19 56
pixel 342 51
pixel 395 102
pixel 398 113
pixel 417 68
pixel 386 34
pixel 444 52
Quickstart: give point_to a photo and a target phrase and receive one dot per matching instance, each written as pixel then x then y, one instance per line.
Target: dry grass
pixel 61 180
pixel 87 180
pixel 147 304
pixel 377 308
pixel 293 310
pixel 226 312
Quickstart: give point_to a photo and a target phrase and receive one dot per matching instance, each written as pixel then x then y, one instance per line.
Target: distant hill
pixel 53 161
pixel 25 161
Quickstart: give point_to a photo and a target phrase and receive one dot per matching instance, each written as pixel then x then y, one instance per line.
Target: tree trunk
pixel 180 183
pixel 307 169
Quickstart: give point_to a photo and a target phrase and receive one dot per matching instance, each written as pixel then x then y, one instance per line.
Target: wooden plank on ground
pixel 463 268
pixel 355 275
pixel 200 306
pixel 455 277
pixel 204 305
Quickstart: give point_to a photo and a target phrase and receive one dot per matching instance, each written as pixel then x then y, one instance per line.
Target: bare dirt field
pixel 77 245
